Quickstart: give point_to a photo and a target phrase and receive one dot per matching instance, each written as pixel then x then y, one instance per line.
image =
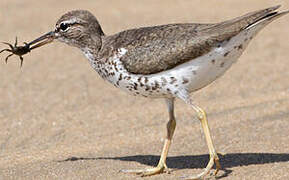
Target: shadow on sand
pixel 199 161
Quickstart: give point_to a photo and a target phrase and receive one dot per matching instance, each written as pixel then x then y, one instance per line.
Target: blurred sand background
pixel 60 120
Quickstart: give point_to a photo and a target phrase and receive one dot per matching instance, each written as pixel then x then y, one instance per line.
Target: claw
pixel 21 61
pixel 6 59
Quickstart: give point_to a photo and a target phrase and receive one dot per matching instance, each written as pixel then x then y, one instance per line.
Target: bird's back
pixel 158 48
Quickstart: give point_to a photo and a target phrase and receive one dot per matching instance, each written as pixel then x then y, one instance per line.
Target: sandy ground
pixel 59 120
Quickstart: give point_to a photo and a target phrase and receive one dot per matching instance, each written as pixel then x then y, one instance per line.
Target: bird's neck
pixel 90 46
pixel 92 43
pixel 96 63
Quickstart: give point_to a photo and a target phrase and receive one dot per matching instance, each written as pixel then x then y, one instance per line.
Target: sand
pixel 60 120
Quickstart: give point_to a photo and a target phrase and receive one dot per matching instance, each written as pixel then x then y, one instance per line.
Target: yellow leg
pixel 161 167
pixel 213 155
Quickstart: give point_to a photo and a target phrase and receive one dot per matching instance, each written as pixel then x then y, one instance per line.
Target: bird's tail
pixel 252 22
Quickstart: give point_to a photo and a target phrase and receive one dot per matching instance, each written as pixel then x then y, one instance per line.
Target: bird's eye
pixel 63 26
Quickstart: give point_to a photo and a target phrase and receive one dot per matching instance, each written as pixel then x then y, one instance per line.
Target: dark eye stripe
pixel 65 25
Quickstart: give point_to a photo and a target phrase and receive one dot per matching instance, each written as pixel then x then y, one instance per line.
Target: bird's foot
pixel 161 168
pixel 213 159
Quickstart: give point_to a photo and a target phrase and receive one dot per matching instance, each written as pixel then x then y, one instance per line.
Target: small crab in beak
pixel 22 50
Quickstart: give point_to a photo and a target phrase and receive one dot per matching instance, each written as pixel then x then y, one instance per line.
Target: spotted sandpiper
pixel 166 61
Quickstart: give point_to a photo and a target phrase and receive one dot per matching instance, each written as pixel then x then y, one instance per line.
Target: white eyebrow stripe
pixel 70 21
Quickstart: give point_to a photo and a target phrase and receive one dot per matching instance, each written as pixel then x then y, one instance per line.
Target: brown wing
pixel 154 49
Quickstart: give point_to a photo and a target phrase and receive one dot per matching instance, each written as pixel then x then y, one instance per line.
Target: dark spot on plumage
pixel 176 85
pixel 222 64
pixel 213 61
pixel 146 80
pixel 120 77
pixel 154 88
pixel 147 88
pixel 226 54
pixel 137 92
pixel 112 74
pixel 141 84
pixel 185 80
pixel 139 79
pixel 128 77
pixel 168 90
pixel 173 80
pixel 176 92
pixel 240 47
pixel 135 86
pixel 117 83
pixel 157 84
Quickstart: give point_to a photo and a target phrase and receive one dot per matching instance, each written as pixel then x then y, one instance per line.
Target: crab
pixel 22 50
pixel 17 50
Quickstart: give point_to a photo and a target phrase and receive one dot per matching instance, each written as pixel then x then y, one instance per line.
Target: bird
pixel 168 61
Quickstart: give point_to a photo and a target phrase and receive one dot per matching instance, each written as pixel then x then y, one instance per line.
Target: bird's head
pixel 77 28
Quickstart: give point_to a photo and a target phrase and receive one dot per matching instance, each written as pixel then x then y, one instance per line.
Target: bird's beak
pixel 42 40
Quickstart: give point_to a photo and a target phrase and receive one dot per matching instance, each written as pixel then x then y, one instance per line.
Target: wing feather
pixel 154 49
